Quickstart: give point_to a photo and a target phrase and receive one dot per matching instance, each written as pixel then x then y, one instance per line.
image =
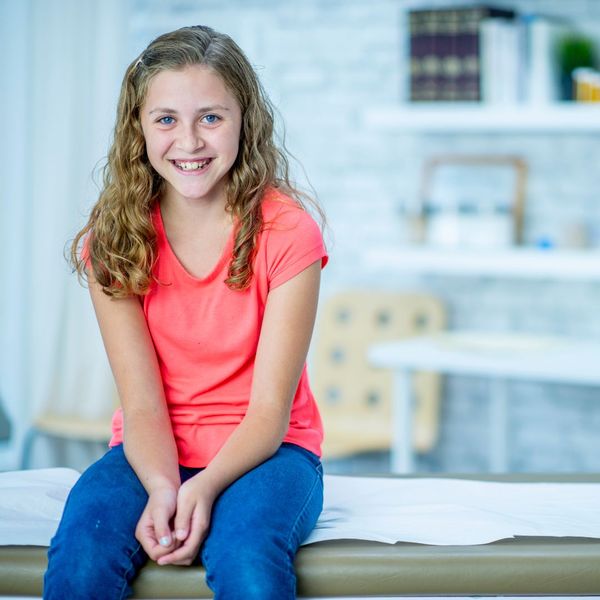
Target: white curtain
pixel 62 62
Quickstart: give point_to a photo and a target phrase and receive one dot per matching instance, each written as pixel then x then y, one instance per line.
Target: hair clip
pixel 138 63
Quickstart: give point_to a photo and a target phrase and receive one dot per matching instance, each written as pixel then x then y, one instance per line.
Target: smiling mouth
pixel 187 166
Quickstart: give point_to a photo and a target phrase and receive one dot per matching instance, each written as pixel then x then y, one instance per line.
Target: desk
pixel 502 357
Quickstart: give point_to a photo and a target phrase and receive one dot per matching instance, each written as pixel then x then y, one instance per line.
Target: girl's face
pixel 191 124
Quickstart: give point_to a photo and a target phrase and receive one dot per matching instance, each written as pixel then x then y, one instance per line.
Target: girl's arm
pixel 284 339
pixel 148 437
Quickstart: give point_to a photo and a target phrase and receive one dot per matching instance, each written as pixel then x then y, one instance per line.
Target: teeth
pixel 191 166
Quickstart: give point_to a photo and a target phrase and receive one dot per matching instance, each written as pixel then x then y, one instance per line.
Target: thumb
pixel 183 518
pixel 161 527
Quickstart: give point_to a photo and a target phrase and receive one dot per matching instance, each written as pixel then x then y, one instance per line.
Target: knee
pixel 86 567
pixel 73 572
pixel 248 575
pixel 74 578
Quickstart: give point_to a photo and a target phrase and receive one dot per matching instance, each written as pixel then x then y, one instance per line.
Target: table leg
pixel 499 426
pixel 402 423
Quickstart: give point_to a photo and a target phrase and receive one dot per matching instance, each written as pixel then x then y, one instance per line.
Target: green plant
pixel 574 51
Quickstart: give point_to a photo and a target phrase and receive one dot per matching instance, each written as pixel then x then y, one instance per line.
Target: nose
pixel 190 139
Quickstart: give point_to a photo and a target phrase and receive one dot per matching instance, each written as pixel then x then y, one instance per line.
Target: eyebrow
pixel 200 110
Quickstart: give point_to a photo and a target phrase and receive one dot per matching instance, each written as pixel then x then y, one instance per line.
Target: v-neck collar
pixel 165 245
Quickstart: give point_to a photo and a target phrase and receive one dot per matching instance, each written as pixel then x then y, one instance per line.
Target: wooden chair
pixel 94 431
pixel 355 398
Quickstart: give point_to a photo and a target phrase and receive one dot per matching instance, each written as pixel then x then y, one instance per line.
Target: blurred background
pixel 454 148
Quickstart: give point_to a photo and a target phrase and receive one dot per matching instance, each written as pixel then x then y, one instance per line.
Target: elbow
pixel 272 423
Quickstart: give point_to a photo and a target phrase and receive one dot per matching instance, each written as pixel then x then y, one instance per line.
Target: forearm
pixel 150 449
pixel 148 437
pixel 256 439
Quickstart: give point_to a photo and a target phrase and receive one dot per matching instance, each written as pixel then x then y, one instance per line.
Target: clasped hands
pixel 175 522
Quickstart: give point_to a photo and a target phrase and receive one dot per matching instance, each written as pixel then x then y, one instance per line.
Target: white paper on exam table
pixel 31 504
pixel 454 511
pixel 428 511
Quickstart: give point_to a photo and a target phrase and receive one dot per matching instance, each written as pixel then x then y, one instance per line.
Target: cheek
pixel 235 145
pixel 147 141
pixel 235 150
pixel 155 145
pixel 236 140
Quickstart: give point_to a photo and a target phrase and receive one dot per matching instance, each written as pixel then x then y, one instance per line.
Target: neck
pixel 195 212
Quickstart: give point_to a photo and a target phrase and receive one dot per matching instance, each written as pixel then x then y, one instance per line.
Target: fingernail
pixel 180 533
pixel 164 541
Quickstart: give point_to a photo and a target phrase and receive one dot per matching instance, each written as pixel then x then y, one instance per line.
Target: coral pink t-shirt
pixel 206 334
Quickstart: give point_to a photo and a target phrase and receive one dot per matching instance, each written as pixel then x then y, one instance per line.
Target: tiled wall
pixel 324 62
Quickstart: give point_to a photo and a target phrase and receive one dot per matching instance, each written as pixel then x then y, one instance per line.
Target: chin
pixel 196 194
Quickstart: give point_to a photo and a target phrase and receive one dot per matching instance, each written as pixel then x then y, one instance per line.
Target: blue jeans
pixel 257 524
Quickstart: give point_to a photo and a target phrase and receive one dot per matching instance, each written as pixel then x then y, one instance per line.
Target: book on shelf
pixel 483 53
pixel 518 60
pixel 542 80
pixel 501 76
pixel 445 52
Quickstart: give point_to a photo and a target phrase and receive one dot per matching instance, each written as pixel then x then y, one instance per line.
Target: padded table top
pixel 532 566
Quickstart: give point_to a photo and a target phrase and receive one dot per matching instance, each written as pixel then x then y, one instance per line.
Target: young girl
pixel 203 269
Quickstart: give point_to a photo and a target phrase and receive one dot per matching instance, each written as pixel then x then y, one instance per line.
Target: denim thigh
pixel 257 524
pixel 94 553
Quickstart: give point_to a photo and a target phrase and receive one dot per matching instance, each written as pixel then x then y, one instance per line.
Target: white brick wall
pixel 324 62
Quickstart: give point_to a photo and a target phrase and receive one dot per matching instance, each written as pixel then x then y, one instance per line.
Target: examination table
pixel 542 566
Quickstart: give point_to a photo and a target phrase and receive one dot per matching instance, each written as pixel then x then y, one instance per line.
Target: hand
pixel 192 520
pixel 153 530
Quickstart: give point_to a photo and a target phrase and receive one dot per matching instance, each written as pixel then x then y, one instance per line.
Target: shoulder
pixel 290 240
pixel 283 213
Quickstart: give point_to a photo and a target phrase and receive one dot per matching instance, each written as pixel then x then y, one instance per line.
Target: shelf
pixel 518 263
pixel 474 117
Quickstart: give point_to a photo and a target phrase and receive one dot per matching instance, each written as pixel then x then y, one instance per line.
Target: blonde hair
pixel 120 235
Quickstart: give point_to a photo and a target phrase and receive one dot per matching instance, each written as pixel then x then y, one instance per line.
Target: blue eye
pixel 166 120
pixel 211 119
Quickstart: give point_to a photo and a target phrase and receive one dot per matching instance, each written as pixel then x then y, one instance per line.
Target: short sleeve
pixel 84 253
pixel 294 242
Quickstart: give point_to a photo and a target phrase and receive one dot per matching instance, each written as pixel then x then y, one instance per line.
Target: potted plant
pixel 573 51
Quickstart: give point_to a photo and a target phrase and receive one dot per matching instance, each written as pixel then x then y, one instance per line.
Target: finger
pixel 145 534
pixel 159 551
pixel 184 562
pixel 147 544
pixel 146 537
pixel 189 549
pixel 184 555
pixel 183 518
pixel 162 529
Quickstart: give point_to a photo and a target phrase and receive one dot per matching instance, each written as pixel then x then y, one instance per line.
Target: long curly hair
pixel 120 239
